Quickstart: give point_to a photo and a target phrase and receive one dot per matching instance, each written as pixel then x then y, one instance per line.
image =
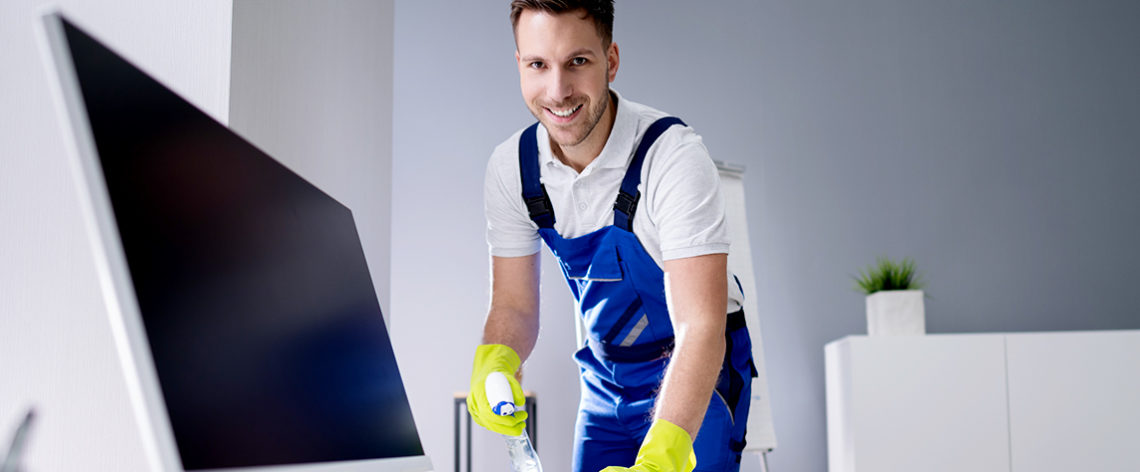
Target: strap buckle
pixel 539 205
pixel 627 203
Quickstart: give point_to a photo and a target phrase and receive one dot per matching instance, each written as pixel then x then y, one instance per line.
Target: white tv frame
pixel 118 291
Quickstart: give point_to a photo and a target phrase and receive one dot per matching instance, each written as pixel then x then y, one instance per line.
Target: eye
pixel 578 61
pixel 536 65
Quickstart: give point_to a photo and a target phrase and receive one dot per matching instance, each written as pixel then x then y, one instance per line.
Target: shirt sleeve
pixel 510 231
pixel 688 207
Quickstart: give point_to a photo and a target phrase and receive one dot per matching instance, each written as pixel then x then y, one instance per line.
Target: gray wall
pixel 56 349
pixel 997 143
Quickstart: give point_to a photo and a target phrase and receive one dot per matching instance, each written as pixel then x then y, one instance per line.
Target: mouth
pixel 563 115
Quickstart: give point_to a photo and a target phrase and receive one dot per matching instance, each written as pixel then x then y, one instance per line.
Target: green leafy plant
pixel 886 274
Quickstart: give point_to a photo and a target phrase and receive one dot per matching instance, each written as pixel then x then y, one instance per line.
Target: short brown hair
pixel 601 11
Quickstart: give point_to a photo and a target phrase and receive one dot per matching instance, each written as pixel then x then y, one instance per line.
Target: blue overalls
pixel 620 295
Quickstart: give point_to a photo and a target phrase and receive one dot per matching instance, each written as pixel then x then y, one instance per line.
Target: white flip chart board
pixel 761 433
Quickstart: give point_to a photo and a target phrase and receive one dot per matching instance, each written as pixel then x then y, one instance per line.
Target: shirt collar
pixel 618 148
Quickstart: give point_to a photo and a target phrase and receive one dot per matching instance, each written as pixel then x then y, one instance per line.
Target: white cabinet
pixel 990 402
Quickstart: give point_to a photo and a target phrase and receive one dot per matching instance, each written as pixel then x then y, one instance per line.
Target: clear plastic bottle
pixel 521 451
pixel 523 457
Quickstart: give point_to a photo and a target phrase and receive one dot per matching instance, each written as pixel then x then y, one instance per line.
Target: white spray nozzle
pixel 499 394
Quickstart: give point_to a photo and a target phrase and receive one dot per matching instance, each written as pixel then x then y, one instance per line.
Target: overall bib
pixel 620 294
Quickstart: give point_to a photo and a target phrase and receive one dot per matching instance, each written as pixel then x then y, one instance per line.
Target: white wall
pixel 56 351
pixel 310 84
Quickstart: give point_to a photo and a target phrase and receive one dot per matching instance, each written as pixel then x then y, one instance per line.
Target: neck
pixel 582 154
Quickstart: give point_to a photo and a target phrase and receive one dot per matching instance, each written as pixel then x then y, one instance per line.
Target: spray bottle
pixel 523 457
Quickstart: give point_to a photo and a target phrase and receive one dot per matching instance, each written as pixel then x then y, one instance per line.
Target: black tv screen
pixel 260 314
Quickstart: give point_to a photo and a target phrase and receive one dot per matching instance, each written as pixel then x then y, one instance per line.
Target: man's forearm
pixel 691 376
pixel 513 317
pixel 514 328
pixel 695 293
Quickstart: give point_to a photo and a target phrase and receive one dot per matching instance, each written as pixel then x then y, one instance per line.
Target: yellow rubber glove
pixel 666 448
pixel 495 358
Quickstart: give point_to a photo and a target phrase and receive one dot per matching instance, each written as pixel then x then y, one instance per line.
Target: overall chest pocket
pixel 604 265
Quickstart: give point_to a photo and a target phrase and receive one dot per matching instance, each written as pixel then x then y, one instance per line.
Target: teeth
pixel 565 113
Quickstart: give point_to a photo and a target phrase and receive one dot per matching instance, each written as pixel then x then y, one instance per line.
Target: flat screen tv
pixel 242 306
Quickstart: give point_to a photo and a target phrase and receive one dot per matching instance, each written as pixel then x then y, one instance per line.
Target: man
pixel 628 201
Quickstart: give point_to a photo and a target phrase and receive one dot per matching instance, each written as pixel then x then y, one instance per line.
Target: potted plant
pixel 894 298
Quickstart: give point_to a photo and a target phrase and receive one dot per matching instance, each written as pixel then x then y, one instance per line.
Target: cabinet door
pixel 923 403
pixel 1075 401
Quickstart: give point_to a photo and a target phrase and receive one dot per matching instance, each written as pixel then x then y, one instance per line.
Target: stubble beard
pixel 585 128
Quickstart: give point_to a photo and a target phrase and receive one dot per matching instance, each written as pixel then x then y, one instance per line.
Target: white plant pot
pixel 896 313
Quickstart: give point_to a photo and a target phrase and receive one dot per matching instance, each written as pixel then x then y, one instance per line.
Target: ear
pixel 613 60
pixel 517 57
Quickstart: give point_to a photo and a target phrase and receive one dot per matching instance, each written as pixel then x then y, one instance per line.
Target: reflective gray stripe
pixel 594 279
pixel 635 332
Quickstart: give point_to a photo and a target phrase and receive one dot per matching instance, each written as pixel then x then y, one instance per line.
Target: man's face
pixel 565 71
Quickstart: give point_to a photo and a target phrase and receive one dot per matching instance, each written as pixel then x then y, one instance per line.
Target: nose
pixel 561 85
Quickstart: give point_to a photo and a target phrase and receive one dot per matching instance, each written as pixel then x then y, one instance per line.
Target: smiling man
pixel 628 201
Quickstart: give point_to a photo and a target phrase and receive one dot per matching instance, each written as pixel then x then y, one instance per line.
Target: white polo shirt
pixel 681 212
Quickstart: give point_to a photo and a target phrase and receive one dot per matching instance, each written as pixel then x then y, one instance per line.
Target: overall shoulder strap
pixel 533 192
pixel 628 196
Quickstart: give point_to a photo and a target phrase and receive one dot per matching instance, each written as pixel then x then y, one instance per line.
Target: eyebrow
pixel 575 53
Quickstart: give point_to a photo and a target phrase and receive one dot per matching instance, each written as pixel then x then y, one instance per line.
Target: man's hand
pixel 495 358
pixel 666 448
pixel 509 335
